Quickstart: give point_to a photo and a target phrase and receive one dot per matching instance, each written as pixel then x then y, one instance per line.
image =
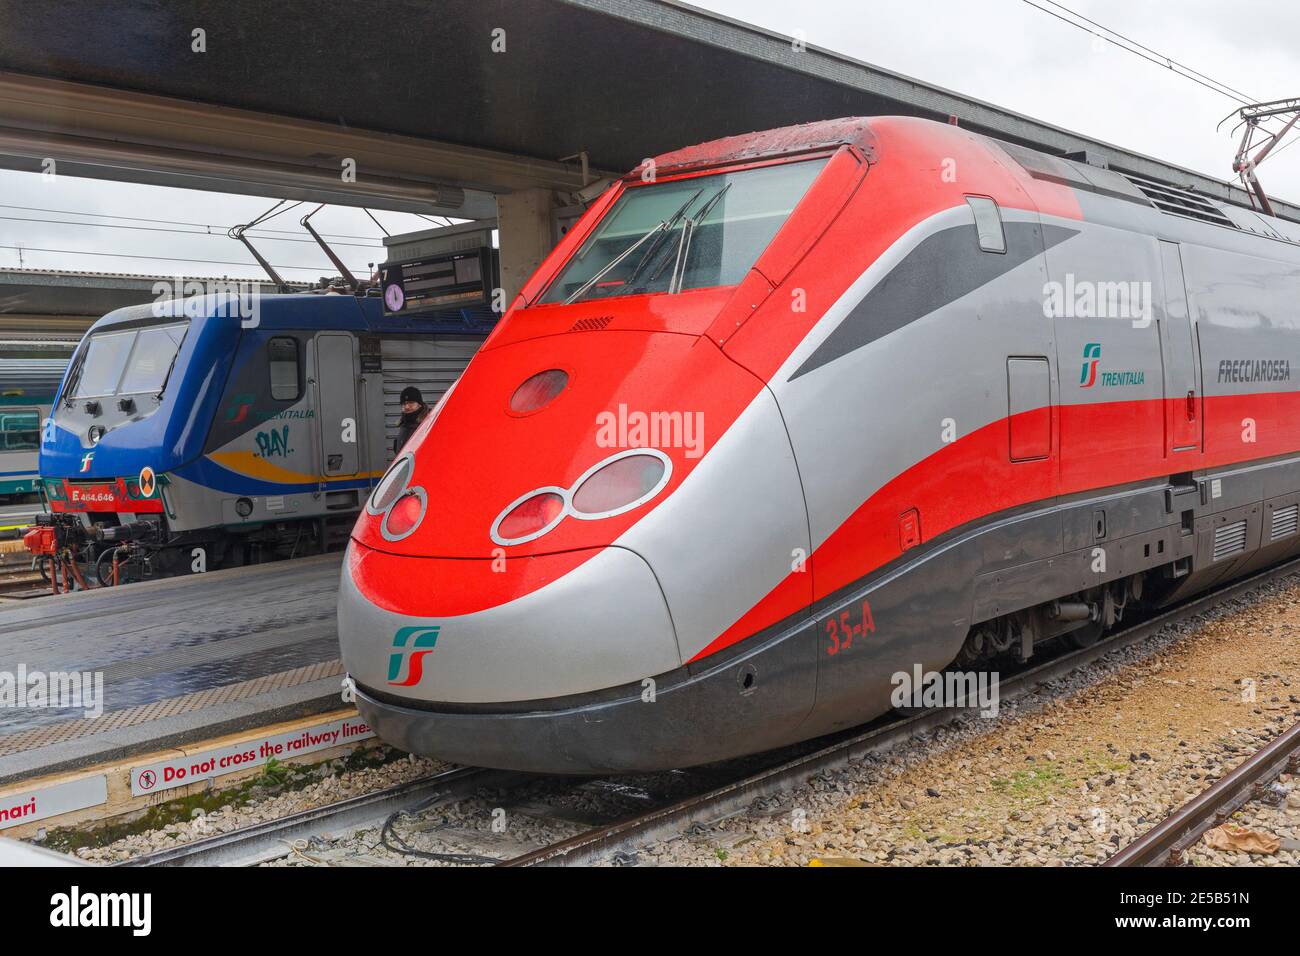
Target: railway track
pixel 1166 842
pixel 713 793
pixel 18 579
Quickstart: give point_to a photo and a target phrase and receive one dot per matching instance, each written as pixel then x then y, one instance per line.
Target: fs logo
pixel 1091 359
pixel 239 406
pixel 419 641
pixel 86 459
pixel 238 410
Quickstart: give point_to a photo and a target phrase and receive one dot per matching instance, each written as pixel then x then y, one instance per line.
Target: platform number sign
pixel 841 629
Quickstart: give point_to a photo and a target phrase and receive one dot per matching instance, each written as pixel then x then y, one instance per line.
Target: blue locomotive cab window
pixel 127 362
pixel 106 356
pixel 20 429
pixel 282 357
pixel 151 359
pixel 691 233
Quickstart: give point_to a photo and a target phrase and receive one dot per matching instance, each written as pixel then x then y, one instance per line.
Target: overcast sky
pixel 1010 54
pixel 1002 51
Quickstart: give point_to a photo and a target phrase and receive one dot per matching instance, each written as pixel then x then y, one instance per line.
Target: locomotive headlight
pixel 538 391
pixel 405 515
pixel 620 484
pixel 391 485
pixel 611 487
pixel 530 517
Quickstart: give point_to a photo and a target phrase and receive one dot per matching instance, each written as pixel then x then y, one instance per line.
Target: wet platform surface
pixel 181 658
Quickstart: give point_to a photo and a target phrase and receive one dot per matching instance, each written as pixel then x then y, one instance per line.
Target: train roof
pixel 768 144
pixel 1168 197
pixel 328 311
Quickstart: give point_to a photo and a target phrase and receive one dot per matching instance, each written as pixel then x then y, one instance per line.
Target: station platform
pixel 182 659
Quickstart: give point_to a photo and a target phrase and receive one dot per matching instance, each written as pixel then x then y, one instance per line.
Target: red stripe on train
pixel 1103 445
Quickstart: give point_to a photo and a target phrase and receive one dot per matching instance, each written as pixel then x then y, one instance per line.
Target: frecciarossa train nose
pixel 532 419
pixel 515 577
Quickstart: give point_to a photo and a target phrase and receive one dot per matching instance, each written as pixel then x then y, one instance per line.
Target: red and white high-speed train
pixel 790 413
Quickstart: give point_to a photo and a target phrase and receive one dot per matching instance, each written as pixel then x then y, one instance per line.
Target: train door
pixel 338 424
pixel 1183 401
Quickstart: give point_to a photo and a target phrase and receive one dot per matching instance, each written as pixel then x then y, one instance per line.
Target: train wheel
pixel 1085 636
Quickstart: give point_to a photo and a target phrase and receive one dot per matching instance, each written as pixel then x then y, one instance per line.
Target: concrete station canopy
pixel 285 88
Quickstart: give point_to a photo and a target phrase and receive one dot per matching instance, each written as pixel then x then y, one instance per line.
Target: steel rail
pixel 736 796
pixel 1165 843
pixel 265 841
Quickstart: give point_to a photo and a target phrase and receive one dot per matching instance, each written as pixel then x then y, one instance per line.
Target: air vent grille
pixel 593 324
pixel 1229 539
pixel 1180 202
pixel 1285 521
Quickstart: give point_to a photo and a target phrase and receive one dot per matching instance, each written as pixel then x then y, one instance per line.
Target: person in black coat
pixel 414 411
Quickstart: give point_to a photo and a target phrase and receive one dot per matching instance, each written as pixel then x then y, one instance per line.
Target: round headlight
pixel 529 518
pixel 391 485
pixel 405 516
pixel 620 485
pixel 538 391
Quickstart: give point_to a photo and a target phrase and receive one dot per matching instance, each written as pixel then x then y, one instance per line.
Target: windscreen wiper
pixel 684 242
pixel 609 266
pixel 658 243
pixel 663 227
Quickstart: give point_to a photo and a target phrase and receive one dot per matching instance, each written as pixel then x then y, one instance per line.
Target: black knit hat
pixel 412 394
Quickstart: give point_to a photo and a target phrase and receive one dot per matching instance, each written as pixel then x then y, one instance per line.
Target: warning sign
pixel 19 808
pixel 180 771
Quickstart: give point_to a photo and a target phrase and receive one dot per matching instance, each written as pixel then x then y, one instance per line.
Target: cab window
pixel 282 357
pixel 127 362
pixel 690 233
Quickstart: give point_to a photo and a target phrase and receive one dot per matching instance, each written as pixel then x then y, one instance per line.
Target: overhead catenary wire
pixel 220 230
pixel 179 232
pixel 128 255
pixel 1156 57
pixel 1130 45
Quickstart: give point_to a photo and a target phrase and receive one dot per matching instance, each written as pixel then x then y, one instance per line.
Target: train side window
pixel 20 429
pixel 988 223
pixel 282 356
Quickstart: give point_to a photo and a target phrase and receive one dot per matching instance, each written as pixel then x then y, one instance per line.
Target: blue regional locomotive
pixel 229 429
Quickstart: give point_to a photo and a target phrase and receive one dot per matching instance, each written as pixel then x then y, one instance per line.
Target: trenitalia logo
pixel 86 459
pixel 1091 374
pixel 239 407
pixel 1091 359
pixel 419 641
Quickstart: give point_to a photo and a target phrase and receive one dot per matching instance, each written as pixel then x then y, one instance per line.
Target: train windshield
pixel 690 233
pixel 129 362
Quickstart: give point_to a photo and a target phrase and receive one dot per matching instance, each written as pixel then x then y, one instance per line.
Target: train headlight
pixel 391 485
pixel 530 517
pixel 538 391
pixel 399 508
pixel 405 515
pixel 620 484
pixel 611 487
